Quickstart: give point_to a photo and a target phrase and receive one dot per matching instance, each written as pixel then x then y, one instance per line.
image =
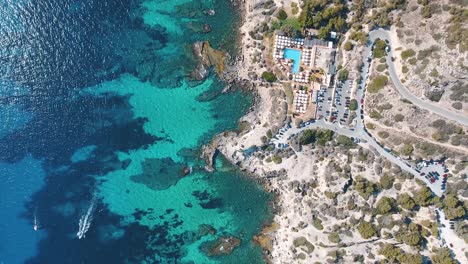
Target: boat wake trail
pixel 86 219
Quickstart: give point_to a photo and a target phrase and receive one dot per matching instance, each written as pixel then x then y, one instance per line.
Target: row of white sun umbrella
pixel 306 57
pixel 301 77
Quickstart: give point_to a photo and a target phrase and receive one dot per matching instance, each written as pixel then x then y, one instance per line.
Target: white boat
pixel 36 224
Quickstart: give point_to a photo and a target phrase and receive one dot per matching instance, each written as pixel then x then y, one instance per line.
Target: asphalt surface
pixel 341 99
pixel 460 118
pixel 323 104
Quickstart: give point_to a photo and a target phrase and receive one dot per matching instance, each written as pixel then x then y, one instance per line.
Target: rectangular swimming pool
pixel 294 55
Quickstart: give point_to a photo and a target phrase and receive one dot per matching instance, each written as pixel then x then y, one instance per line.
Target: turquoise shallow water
pixel 99 122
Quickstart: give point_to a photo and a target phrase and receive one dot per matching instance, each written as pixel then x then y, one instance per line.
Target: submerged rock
pixel 198 27
pixel 186 170
pixel 222 246
pixel 210 12
pixel 205 229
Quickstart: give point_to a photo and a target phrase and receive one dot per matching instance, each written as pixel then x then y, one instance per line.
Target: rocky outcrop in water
pixel 207 57
pixel 222 246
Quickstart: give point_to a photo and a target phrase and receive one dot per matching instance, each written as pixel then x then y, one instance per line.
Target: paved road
pixel 460 118
pixel 366 140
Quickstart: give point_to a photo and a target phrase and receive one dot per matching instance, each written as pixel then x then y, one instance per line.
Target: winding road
pixel 384 35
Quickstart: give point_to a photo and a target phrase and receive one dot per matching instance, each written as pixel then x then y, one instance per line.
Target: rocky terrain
pixel 433 52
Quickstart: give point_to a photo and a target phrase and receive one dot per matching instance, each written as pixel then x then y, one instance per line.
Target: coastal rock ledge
pixel 207 57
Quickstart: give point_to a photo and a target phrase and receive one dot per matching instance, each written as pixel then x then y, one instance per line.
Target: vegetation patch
pixel 282 14
pixel 407 53
pixel 377 83
pixel 343 75
pixel 399 117
pixel 269 76
pixel 311 136
pixel 348 46
pixel 453 208
pixel 334 237
pixel 381 67
pixel 317 223
pixel 304 244
pixel 364 187
pixel 383 134
pixel 324 17
pixel 386 205
pixel 394 254
pixel 379 48
pixel 366 230
pixel 277 159
pixel 353 104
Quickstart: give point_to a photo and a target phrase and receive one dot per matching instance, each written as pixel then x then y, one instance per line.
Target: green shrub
pixel 381 67
pixel 359 36
pixel 277 159
pixel 319 136
pixel 383 134
pixel 407 149
pixel 399 117
pixel 331 195
pixel 413 61
pixel 379 48
pixel 317 223
pixel 457 105
pixel 343 75
pixel 443 256
pixel 348 46
pixel 394 254
pixel 364 187
pixel 406 201
pixel 282 15
pixel 386 181
pixel 366 229
pixel 375 115
pixel 385 205
pixel 404 69
pixel 304 244
pixel 334 237
pixel 353 104
pixel 377 83
pixel 294 8
pixel 269 76
pixel 453 208
pixel 370 126
pixel 424 197
pixel 345 141
pixel 407 53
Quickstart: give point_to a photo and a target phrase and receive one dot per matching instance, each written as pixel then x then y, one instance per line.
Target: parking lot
pixel 342 100
pixel 434 171
pixel 324 98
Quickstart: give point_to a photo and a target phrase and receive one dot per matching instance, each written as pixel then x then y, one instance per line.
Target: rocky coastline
pixel 234 72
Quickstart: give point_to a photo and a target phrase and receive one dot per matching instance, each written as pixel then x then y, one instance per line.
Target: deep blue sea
pixel 97 123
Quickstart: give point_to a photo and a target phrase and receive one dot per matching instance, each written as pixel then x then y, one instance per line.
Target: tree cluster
pixel 311 136
pixel 319 14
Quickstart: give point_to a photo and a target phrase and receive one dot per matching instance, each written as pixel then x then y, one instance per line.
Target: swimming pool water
pixel 294 55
